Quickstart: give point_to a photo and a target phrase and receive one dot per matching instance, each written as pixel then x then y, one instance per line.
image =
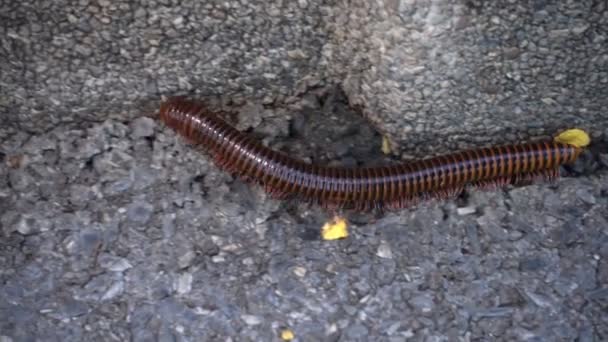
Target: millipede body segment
pixel 392 186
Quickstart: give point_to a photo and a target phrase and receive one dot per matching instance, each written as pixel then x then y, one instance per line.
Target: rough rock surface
pixel 112 228
pixel 75 60
pixel 460 73
pixel 452 72
pixel 119 231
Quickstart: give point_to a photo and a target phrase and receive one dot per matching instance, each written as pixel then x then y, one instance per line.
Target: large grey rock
pixel 77 60
pixel 450 73
pixel 432 75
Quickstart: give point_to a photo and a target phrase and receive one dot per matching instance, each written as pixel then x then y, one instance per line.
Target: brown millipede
pixel 392 186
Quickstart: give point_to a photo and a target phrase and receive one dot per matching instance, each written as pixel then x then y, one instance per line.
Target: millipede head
pixel 168 105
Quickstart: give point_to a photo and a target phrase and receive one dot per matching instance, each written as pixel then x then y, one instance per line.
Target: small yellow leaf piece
pixel 575 137
pixel 287 335
pixel 386 145
pixel 335 229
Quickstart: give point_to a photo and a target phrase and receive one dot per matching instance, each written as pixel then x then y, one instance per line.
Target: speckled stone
pixel 114 229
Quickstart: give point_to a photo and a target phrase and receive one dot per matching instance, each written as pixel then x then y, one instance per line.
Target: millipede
pixel 362 188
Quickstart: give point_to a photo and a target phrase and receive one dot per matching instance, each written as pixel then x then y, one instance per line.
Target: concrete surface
pixel 437 74
pixel 113 229
pixel 452 72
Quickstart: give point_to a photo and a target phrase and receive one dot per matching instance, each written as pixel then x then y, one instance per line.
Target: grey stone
pixel 598 294
pixel 424 303
pixel 80 195
pixel 67 308
pixel 186 259
pixel 183 283
pixel 142 127
pixel 143 177
pixel 493 313
pixel 113 263
pixel 20 180
pixel 88 241
pixel 26 225
pixel 586 196
pixel 115 290
pixel 532 264
pixel 384 251
pixel 251 319
pixel 140 211
pixel 466 210
pixel 357 332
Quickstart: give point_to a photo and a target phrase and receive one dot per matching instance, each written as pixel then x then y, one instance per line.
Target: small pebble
pixel 466 211
pixel 20 180
pixel 142 127
pixel 299 271
pixel 585 196
pixel 114 263
pixel 183 283
pixel 25 225
pixel 423 302
pixel 186 259
pixel 116 289
pixel 384 251
pixel 140 211
pixel 251 319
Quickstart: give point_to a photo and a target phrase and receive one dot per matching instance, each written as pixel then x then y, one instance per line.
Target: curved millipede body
pixel 392 186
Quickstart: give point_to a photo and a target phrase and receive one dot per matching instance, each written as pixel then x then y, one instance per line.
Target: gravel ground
pixel 118 230
pixel 112 228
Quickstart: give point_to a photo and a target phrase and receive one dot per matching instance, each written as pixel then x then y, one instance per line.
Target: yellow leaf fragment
pixel 287 335
pixel 575 137
pixel 386 145
pixel 335 229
